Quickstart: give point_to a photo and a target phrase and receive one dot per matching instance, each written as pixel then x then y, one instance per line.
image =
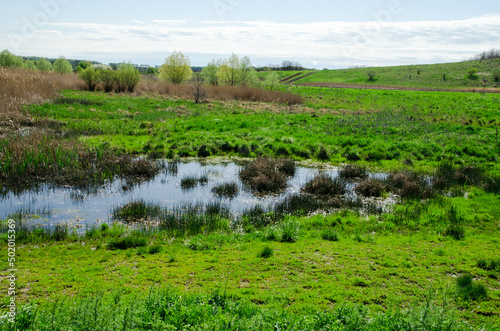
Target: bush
pixel 127 78
pixel 91 77
pixel 330 235
pixel 371 75
pixel 323 186
pixel 472 73
pixel 266 252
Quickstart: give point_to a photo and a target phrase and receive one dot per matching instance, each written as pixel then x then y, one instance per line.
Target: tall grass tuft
pixel 266 175
pixel 324 186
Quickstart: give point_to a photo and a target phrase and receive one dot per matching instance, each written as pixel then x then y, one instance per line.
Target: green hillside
pixel 445 75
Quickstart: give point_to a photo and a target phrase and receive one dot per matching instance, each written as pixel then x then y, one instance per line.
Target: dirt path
pixel 401 88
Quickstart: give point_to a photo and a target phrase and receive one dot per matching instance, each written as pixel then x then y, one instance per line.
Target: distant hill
pixel 486 73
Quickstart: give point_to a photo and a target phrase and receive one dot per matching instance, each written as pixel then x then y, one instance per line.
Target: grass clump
pixel 409 185
pixel 353 172
pixel 468 290
pixel 290 231
pixel 370 188
pixel 227 190
pixel 488 264
pixel 324 186
pixel 330 235
pixel 456 222
pixel 266 175
pixel 136 211
pixel 190 182
pixel 131 241
pixel 155 249
pixel 266 252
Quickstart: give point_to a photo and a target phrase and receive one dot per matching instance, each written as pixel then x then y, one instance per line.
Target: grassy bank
pixel 445 75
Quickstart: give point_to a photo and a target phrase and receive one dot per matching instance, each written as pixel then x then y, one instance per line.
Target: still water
pixel 68 205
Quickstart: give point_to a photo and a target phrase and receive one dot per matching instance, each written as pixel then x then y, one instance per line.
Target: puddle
pixel 67 205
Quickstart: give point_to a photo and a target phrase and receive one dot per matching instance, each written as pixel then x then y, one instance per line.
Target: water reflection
pixel 68 205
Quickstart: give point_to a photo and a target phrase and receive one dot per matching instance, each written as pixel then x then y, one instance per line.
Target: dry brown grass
pixel 224 93
pixel 266 175
pixel 19 87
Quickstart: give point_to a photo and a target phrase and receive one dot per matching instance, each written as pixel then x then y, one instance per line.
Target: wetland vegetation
pixel 326 256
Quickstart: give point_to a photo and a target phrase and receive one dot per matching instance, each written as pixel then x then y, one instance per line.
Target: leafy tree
pixel 151 71
pixel 7 59
pixel 371 75
pixel 230 71
pixel 91 76
pixel 43 65
pixel 176 69
pixel 209 73
pixel 272 81
pixel 108 79
pixel 30 65
pixel 83 65
pixel 127 77
pixel 62 66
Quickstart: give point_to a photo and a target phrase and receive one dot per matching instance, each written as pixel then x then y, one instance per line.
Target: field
pixel 429 262
pixel 432 76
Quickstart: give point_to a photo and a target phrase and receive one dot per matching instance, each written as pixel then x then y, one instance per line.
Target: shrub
pixel 330 235
pixel 266 252
pixel 127 78
pixel 352 171
pixel 370 188
pixel 472 73
pixel 91 77
pixel 371 75
pixel 324 186
pixel 108 78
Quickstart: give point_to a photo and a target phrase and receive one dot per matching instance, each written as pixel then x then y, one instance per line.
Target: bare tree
pixel 198 88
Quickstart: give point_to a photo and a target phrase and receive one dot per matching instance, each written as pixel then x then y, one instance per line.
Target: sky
pixel 316 33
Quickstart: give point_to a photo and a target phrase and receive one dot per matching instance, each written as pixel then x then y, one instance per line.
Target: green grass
pixel 385 128
pixel 425 76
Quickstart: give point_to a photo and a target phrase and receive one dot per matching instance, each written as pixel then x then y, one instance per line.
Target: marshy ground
pixel 318 258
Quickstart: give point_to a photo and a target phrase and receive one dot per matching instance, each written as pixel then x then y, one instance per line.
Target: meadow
pixel 430 262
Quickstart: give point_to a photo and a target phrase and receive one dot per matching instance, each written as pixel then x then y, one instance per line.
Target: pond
pixel 68 205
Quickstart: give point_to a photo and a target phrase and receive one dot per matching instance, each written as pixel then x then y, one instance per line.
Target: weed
pixel 266 252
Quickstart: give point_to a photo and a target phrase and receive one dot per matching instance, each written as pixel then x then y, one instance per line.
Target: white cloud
pixel 329 44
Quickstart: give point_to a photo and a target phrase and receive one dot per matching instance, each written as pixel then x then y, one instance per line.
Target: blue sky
pixel 320 34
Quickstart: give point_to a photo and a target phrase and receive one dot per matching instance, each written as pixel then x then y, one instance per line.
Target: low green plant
pixel 266 252
pixel 130 241
pixel 290 231
pixel 155 249
pixel 330 235
pixel 468 290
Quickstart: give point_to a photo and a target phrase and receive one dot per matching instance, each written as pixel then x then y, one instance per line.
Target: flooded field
pixel 49 206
